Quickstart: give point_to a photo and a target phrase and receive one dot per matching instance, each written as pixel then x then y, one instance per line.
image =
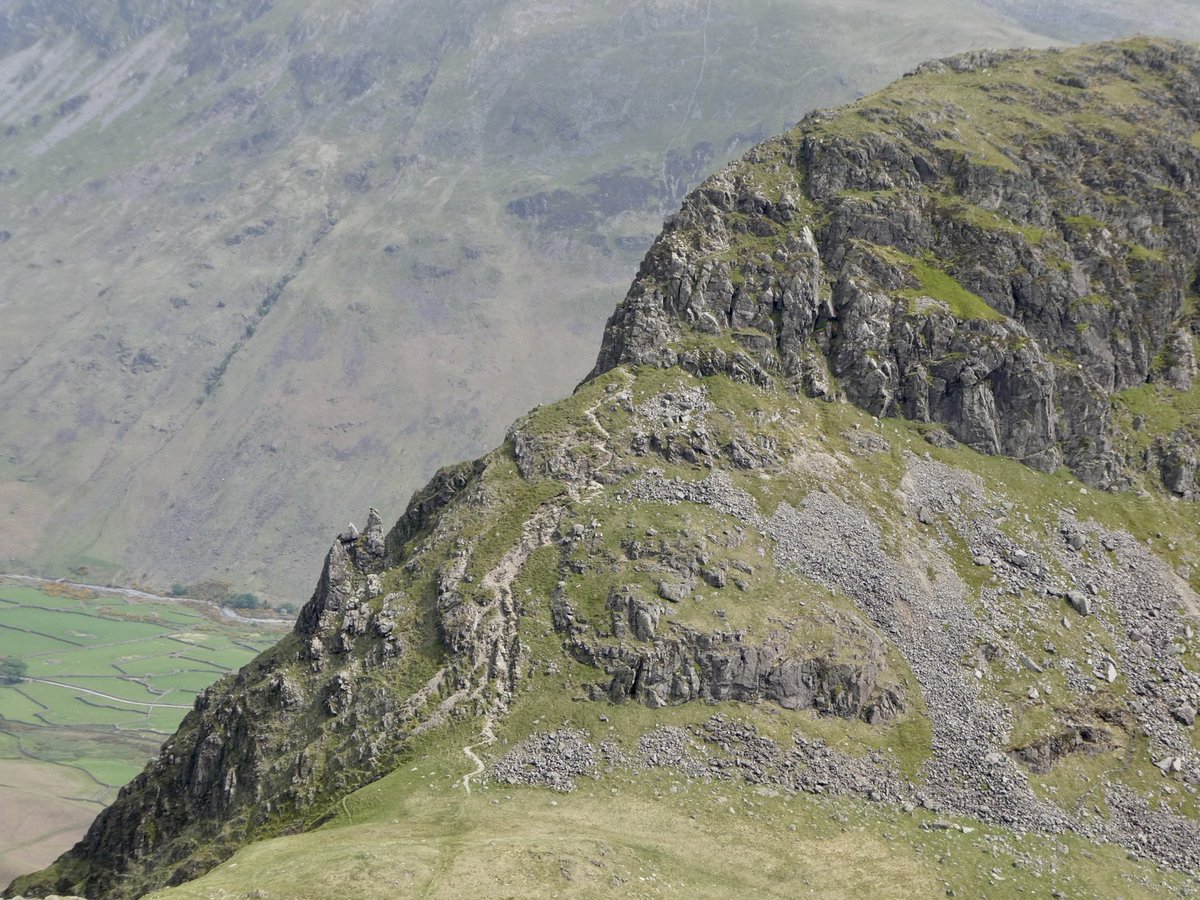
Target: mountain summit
pixel 863 562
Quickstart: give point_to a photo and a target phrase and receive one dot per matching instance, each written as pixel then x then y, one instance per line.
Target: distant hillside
pixel 264 263
pixel 1078 20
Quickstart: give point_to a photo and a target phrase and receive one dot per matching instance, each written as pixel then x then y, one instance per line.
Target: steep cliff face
pixel 999 243
pixel 708 552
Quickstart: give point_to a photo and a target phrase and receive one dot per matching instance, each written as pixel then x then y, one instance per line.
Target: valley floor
pixel 109 676
pixel 44 809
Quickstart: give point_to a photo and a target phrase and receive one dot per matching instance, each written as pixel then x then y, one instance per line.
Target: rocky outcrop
pixel 1177 459
pixel 894 254
pixel 425 503
pixel 402 633
pixel 1042 755
pixel 703 666
pixel 296 725
pixel 690 664
pixel 316 716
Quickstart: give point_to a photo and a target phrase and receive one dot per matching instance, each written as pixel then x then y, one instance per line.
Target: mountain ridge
pixel 703 565
pixel 171 165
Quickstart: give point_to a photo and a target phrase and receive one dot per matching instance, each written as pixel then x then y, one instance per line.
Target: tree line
pixel 224 594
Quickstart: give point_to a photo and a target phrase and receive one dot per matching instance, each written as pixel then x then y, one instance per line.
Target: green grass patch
pixel 1139 253
pixel 944 288
pixel 19 595
pixel 17 706
pixel 187 682
pixel 1084 223
pixel 936 284
pixel 111 772
pixel 79 627
pixel 21 642
pixel 1161 410
pixel 986 220
pixel 979 151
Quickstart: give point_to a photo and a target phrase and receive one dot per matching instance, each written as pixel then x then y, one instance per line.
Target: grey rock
pixel 1032 666
pixel 630 611
pixel 373 538
pixel 673 591
pixel 339 694
pixel 695 665
pixel 1179 351
pixel 553 760
pixel 1178 464
pixel 1185 714
pixel 1080 602
pixel 941 438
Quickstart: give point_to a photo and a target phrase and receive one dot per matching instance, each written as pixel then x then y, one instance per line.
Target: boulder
pixel 1080 602
pixel 674 591
pixel 1185 714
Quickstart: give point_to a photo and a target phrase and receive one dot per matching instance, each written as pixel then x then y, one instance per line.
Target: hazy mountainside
pixel 253 255
pixel 1078 20
pixel 707 587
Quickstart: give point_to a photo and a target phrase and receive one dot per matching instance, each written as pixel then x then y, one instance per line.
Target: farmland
pixel 107 678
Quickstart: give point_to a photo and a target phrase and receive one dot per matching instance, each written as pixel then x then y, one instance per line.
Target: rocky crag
pixel 880 490
pixel 1000 251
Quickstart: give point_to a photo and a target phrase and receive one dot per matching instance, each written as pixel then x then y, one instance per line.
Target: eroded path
pixel 487 737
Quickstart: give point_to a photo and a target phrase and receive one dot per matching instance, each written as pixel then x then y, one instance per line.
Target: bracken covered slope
pixel 705 576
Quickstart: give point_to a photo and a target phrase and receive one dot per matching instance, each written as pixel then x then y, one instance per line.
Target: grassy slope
pixel 415 833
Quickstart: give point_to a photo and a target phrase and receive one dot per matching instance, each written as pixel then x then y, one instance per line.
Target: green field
pixel 108 678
